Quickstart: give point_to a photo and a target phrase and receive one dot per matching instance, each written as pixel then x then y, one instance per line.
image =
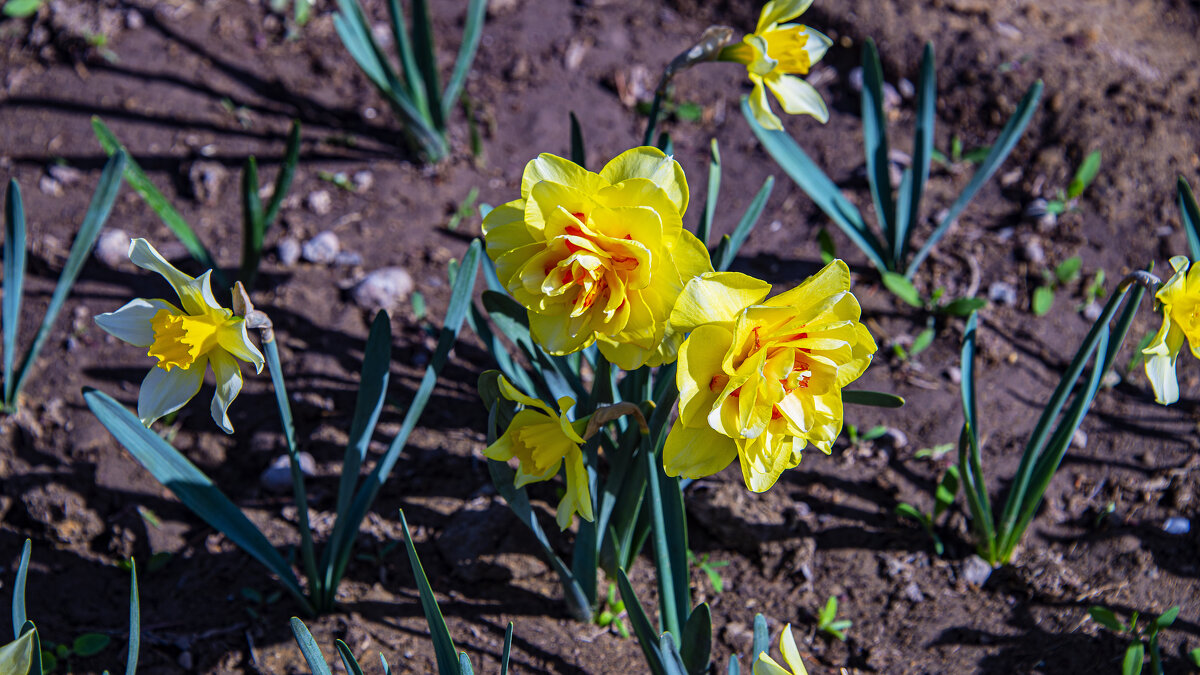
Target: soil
pixel 193 87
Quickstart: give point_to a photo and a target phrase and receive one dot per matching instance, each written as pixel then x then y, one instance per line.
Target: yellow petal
pixel 779 11
pixel 504 229
pixel 791 655
pixel 233 338
pixel 548 167
pixel 510 392
pixel 653 164
pixel 690 256
pixel 815 290
pixel 696 452
pixel 16 657
pixel 578 497
pixel 559 336
pixel 761 107
pixel 716 297
pixel 796 96
pixel 699 369
pixel 644 193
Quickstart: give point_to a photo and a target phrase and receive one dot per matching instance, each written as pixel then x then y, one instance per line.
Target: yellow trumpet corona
pixel 1180 301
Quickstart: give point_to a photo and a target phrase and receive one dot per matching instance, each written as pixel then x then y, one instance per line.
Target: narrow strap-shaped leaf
pixel 472 33
pixel 646 636
pixel 348 660
pixel 37 666
pixel 507 652
pixel 734 667
pixel 877 399
pixel 345 530
pixel 749 219
pixel 762 637
pixel 913 188
pixel 664 561
pixel 587 535
pixel 819 188
pixel 1004 144
pixel 578 150
pixel 89 230
pixel 253 223
pixel 426 52
pixel 695 645
pixel 190 485
pixel 704 228
pixel 135 622
pixel 158 203
pixel 443 645
pixel 413 82
pixel 354 31
pixel 18 601
pixel 671 658
pixel 875 143
pixel 15 250
pixel 1189 213
pixel 464 664
pixel 970 464
pixel 309 648
pixel 387 670
pixel 372 389
pixel 287 171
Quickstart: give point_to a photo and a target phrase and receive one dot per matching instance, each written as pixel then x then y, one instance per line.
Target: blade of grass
pixel 372 389
pixel 443 645
pixel 819 188
pixel 135 622
pixel 875 145
pixel 664 562
pixel 158 203
pixel 922 156
pixel 15 250
pixel 287 171
pixel 347 656
pixel 1004 144
pixel 89 230
pixel 253 224
pixel 472 33
pixel 191 486
pixel 1189 213
pixel 746 224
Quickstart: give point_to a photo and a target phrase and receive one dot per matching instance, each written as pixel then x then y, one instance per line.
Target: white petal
pixel 237 342
pixel 229 383
pixel 195 294
pixel 761 107
pixel 165 392
pixel 797 96
pixel 131 323
pixel 818 43
pixel 1160 370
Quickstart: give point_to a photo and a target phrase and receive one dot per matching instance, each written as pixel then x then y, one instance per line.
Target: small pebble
pixel 348 259
pixel 67 175
pixel 288 251
pixel 1177 525
pixel 913 592
pixel 134 20
pixel 48 185
pixel 1002 293
pixel 906 88
pixel 1033 252
pixel 363 180
pixel 278 476
pixel 976 570
pixel 322 249
pixel 185 661
pixel 1079 439
pixel 856 78
pixel 319 202
pixel 112 248
pixel 384 288
pixel 955 374
pixel 1036 208
pixel 1092 311
pixel 895 438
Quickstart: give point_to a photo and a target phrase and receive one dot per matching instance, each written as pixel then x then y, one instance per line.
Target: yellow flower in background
pixel 773 54
pixel 599 257
pixel 1180 300
pixel 185 341
pixel 542 440
pixel 760 379
pixel 765 665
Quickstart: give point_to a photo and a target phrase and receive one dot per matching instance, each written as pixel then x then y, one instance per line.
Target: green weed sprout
pixel 828 623
pixel 256 219
pixel 997 538
pixel 301 9
pixel 27 654
pixel 449 660
pixel 354 497
pixel 14 273
pixel 1064 273
pixel 20 9
pixel 897 210
pixel 710 569
pixel 415 93
pixel 943 497
pixel 1141 637
pixel 1084 175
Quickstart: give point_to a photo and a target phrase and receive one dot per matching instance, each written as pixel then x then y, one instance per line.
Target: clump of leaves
pixel 958 156
pixel 709 567
pixel 612 613
pixel 828 623
pixel 1142 637
pixel 1067 272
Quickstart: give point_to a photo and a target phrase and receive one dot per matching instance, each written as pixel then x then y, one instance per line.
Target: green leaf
pixel 946 491
pixel 20 9
pixel 372 389
pixel 135 622
pixel 876 399
pixel 875 144
pixel 823 191
pixel 762 638
pixel 190 485
pixel 1194 656
pixel 1043 300
pixel 18 601
pixel 443 645
pixel 158 203
pixel 253 223
pixel 1189 214
pixel 735 669
pixel 917 176
pixel 906 510
pixel 1085 175
pixel 1004 144
pixel 704 228
pixel 287 171
pixel 89 231
pixel 1068 270
pixel 308 647
pixel 646 636
pixel 828 612
pixel 730 249
pixel 426 54
pixel 348 659
pixel 1167 618
pixel 1135 655
pixel 89 644
pixel 962 306
pixel 969 463
pixel 922 342
pixel 826 246
pixel 1105 617
pixel 695 645
pixel 504 656
pixel 15 251
pixel 464 665
pixel 578 151
pixel 902 288
pixel 472 33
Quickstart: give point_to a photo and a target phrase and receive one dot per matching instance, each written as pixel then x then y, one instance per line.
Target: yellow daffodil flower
pixel 1180 300
pixel 772 53
pixel 599 256
pixel 765 665
pixel 541 440
pixel 185 341
pixel 16 657
pixel 760 379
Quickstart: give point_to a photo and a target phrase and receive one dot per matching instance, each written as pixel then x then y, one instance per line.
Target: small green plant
pixel 15 252
pixel 935 452
pixel 1194 657
pixel 958 157
pixel 936 303
pixel 257 603
pixel 1142 637
pixel 1067 272
pixel 415 93
pixel 338 179
pixel 466 209
pixel 20 9
pixel 857 437
pixel 920 343
pixel 897 209
pixel 612 613
pixel 943 498
pixel 709 568
pixel 87 644
pixel 684 111
pixel 301 9
pixel 1084 175
pixel 828 623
